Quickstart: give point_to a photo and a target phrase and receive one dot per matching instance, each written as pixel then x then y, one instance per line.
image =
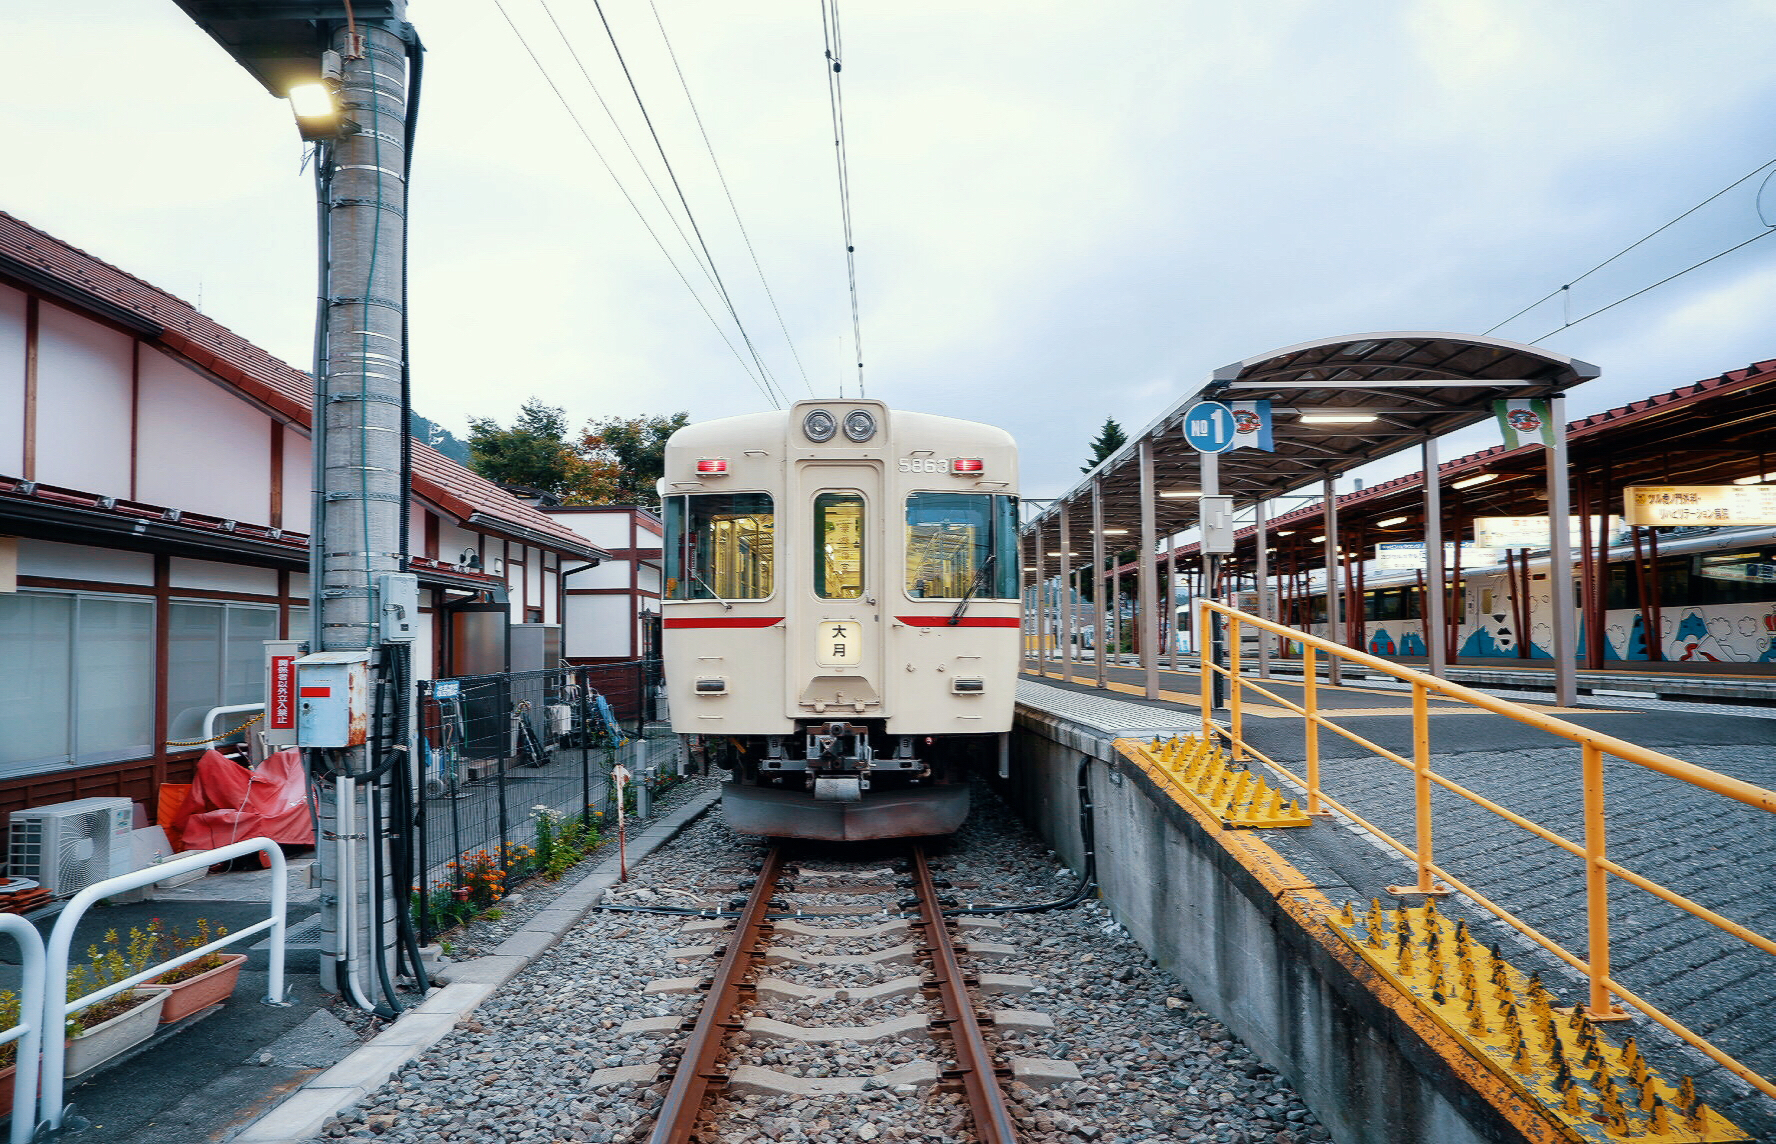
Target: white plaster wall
pixel 218 577
pixel 199 447
pixel 78 562
pixel 598 626
pixel 298 480
pixel 533 578
pixel 453 540
pixel 610 574
pixel 648 579
pixel 12 382
pixel 299 585
pixel 605 529
pixel 551 607
pixel 83 403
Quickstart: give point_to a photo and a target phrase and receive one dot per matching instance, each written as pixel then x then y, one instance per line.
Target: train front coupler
pixel 839 760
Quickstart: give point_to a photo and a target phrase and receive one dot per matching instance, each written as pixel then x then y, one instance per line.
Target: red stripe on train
pixel 964 622
pixel 721 621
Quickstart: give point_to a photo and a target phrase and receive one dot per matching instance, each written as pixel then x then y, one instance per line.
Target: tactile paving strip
pixel 1104 713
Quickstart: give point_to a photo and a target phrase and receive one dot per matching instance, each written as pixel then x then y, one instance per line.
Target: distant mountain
pixel 431 433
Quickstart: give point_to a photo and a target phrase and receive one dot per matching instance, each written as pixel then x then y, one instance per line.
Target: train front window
pixel 838 546
pixel 949 540
pixel 719 546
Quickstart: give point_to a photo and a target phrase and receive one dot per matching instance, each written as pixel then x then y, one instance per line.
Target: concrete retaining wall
pixel 1241 942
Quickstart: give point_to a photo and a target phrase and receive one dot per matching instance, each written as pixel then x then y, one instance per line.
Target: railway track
pixel 763 936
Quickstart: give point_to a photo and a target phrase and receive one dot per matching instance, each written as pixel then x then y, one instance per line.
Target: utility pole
pixel 348 69
pixel 359 534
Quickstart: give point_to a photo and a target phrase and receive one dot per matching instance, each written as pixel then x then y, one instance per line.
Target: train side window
pixel 720 546
pixel 838 546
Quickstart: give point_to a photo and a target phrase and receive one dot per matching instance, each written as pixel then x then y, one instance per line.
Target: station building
pixel 155 495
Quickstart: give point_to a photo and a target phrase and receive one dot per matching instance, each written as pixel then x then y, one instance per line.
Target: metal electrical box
pixel 400 607
pixel 1217 524
pixel 333 698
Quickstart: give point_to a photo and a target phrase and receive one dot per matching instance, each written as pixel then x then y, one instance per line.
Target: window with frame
pixel 720 546
pixel 215 658
pixel 961 544
pixel 77 679
pixel 838 546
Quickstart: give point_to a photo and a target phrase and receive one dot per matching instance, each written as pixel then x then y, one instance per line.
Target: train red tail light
pixel 967 466
pixel 712 467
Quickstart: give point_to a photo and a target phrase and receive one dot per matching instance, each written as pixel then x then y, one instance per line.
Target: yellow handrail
pixel 1433 879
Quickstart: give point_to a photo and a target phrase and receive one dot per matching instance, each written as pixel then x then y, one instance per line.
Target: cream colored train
pixel 842 613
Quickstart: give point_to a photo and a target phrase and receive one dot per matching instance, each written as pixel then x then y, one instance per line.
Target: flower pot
pixel 7 1075
pixel 208 988
pixel 91 1047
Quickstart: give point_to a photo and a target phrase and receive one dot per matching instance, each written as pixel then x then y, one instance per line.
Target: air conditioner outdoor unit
pixel 69 846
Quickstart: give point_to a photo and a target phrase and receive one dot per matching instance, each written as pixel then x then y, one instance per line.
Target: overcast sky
pixel 1063 211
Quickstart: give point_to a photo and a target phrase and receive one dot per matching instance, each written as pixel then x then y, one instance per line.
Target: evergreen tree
pixel 532 454
pixel 1110 438
pixel 628 454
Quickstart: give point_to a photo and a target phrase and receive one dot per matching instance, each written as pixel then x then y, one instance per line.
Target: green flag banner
pixel 1525 421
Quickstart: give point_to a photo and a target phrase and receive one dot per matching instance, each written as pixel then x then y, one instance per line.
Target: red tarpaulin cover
pixel 228 802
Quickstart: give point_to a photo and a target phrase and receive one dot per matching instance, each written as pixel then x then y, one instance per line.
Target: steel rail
pixel 697 1066
pixel 974 1062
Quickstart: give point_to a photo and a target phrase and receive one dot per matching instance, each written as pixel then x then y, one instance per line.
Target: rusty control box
pixel 333 698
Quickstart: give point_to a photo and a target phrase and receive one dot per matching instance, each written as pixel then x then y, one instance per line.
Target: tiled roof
pixel 71 274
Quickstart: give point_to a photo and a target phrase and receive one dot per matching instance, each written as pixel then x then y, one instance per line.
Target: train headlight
pixel 712 467
pixel 967 467
pixel 716 685
pixel 968 686
pixel 819 425
pixel 860 425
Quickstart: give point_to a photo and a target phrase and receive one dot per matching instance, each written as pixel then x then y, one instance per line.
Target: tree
pixel 629 455
pixel 532 454
pixel 1110 438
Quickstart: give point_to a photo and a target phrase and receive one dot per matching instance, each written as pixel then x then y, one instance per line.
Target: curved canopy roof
pixel 1415 386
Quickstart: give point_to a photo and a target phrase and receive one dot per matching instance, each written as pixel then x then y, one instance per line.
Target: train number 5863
pixel 922 465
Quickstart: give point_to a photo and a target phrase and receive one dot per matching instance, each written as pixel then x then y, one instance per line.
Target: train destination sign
pixel 1406 556
pixel 1672 506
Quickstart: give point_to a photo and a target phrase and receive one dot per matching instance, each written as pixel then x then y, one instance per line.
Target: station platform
pixel 1709 849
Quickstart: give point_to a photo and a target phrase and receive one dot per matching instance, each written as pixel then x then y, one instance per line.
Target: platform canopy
pixel 1417 385
pixel 1334 405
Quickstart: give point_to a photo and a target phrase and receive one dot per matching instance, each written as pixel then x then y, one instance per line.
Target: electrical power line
pixel 710 147
pixel 829 21
pixel 1631 246
pixel 721 287
pixel 761 382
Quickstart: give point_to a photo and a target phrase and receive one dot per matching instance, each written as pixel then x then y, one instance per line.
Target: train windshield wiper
pixel 979 582
pixel 712 592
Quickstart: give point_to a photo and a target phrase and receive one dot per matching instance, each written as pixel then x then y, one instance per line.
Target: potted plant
pixel 102 1030
pixel 199 983
pixel 9 1018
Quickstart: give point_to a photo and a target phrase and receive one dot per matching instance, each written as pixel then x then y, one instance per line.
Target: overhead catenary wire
pixel 762 383
pixel 690 216
pixel 829 20
pixel 719 174
pixel 1566 288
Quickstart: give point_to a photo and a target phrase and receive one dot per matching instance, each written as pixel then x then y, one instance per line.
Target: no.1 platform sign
pixel 1209 427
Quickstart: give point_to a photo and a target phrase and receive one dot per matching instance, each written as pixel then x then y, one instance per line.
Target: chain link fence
pixel 517 777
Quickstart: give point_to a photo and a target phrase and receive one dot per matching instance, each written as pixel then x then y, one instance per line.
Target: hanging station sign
pixel 1533 531
pixel 1674 506
pixel 1406 556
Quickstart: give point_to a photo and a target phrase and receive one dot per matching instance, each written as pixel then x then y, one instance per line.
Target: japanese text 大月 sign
pixel 1672 506
pixel 838 643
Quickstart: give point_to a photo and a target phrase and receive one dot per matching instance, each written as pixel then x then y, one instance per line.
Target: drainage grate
pixel 305 934
pixel 1103 713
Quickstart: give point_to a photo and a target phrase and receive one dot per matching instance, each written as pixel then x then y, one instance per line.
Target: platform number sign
pixel 1209 427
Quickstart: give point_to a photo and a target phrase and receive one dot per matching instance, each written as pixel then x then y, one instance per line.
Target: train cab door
pixel 836 664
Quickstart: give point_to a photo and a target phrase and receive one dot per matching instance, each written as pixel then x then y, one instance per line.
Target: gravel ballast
pixel 1151 1065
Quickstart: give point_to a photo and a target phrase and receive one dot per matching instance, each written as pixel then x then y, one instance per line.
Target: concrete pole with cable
pixel 360 502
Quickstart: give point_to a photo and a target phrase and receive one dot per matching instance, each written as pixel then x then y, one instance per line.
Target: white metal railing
pixel 29 1031
pixel 52 995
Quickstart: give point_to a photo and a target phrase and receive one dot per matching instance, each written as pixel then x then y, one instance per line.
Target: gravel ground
pixel 1153 1066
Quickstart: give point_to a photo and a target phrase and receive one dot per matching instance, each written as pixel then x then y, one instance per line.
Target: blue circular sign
pixel 1209 427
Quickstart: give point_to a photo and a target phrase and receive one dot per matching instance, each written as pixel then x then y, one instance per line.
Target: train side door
pixel 836 670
